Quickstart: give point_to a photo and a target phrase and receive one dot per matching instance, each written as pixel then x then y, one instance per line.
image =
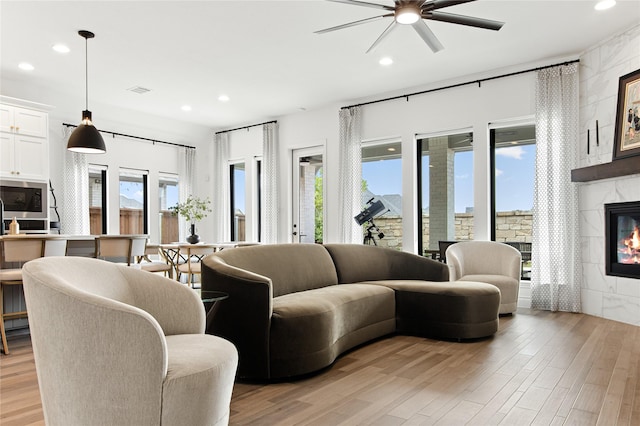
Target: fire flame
pixel 630 247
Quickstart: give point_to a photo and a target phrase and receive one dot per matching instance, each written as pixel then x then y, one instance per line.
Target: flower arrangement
pixel 193 209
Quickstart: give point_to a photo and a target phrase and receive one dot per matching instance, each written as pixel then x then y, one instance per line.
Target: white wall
pixel 605 296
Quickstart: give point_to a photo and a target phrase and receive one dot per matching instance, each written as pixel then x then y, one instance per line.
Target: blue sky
pixel 514 178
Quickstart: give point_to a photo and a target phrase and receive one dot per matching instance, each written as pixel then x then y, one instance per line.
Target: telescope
pixel 370 212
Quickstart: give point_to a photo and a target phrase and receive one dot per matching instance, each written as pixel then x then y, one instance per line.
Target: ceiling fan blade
pixel 471 21
pixel 439 4
pixel 427 35
pixel 384 34
pixel 365 4
pixel 352 24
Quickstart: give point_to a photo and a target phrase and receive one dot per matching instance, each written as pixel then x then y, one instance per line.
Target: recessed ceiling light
pixel 186 107
pixel 61 48
pixel 391 149
pixel 605 4
pixel 223 98
pixel 25 66
pixel 386 61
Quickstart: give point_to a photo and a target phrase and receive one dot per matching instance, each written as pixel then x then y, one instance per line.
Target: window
pixel 513 153
pixel 168 197
pixel 133 202
pixel 382 181
pixel 97 199
pixel 445 189
pixel 238 202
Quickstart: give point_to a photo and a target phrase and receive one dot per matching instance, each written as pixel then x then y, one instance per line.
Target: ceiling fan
pixel 408 12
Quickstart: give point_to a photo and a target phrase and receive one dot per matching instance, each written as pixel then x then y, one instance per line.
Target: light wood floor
pixel 541 368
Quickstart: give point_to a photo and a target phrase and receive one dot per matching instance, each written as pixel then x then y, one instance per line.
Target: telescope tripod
pixel 369 238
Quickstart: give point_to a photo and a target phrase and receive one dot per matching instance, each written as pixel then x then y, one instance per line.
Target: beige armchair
pixel 119 346
pixel 488 262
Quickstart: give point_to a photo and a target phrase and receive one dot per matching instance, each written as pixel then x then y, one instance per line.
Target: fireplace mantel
pixel 616 168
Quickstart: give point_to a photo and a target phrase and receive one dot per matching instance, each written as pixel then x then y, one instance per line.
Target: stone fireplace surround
pixel 612 297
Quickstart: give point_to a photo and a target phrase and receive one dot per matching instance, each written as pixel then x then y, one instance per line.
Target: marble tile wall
pixel 605 296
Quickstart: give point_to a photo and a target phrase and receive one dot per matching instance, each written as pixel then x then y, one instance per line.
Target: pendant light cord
pixel 86 73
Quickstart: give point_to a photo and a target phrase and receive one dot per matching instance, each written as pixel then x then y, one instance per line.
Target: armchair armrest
pixel 177 308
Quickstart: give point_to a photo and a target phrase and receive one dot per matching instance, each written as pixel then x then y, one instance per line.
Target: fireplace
pixel 622 238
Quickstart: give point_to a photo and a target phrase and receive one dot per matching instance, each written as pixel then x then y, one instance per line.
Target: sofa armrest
pixel 245 317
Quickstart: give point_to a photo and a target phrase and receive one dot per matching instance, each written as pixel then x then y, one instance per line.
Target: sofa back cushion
pixel 357 263
pixel 291 267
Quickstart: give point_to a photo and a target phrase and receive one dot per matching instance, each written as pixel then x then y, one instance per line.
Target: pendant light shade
pixel 86 138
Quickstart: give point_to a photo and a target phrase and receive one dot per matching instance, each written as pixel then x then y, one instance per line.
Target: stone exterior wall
pixel 511 226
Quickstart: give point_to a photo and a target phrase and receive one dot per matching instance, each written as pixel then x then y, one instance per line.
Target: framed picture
pixel 627 132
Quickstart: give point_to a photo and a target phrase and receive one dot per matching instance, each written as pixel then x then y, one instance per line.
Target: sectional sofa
pixel 294 308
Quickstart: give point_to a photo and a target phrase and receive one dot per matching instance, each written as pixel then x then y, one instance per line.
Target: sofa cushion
pixel 459 310
pixel 508 288
pixel 310 329
pixel 291 267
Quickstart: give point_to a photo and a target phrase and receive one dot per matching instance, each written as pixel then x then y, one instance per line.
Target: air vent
pixel 139 90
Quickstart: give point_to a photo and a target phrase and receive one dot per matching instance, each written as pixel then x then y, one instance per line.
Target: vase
pixel 193 238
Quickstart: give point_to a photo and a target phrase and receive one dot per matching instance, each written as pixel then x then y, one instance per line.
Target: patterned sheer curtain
pixel 186 187
pixel 350 174
pixel 220 205
pixel 74 215
pixel 270 179
pixel 556 265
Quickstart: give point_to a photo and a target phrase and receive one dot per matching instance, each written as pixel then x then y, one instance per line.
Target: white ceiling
pixel 265 56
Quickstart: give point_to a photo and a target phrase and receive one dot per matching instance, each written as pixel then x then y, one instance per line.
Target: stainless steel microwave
pixel 23 199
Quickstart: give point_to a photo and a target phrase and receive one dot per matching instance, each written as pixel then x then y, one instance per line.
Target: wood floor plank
pixel 541 368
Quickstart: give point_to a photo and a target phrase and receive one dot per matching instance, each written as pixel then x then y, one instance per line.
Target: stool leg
pixel 5 347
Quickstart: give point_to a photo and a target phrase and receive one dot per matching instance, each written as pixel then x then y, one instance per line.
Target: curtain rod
pixel 246 127
pixel 460 84
pixel 114 134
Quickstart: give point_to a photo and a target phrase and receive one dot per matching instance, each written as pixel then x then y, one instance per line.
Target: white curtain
pixel 186 187
pixel 74 215
pixel 350 175
pixel 270 179
pixel 220 205
pixel 556 264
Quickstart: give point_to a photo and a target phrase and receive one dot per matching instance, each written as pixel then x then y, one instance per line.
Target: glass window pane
pixel 132 203
pixel 96 208
pixel 168 197
pixel 238 202
pixel 515 153
pixel 447 190
pixel 382 181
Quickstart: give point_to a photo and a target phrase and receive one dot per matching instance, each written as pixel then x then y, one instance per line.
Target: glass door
pixel 308 196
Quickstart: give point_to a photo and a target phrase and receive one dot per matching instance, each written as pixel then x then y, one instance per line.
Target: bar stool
pixel 120 247
pixel 20 249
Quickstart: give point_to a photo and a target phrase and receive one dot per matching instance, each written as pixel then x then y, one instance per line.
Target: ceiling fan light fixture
pixel 86 139
pixel 605 4
pixel 408 14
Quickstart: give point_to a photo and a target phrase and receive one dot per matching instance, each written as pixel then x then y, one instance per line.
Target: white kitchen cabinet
pixel 23 121
pixel 24 143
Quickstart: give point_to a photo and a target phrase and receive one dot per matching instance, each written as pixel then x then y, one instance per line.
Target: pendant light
pixel 86 138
